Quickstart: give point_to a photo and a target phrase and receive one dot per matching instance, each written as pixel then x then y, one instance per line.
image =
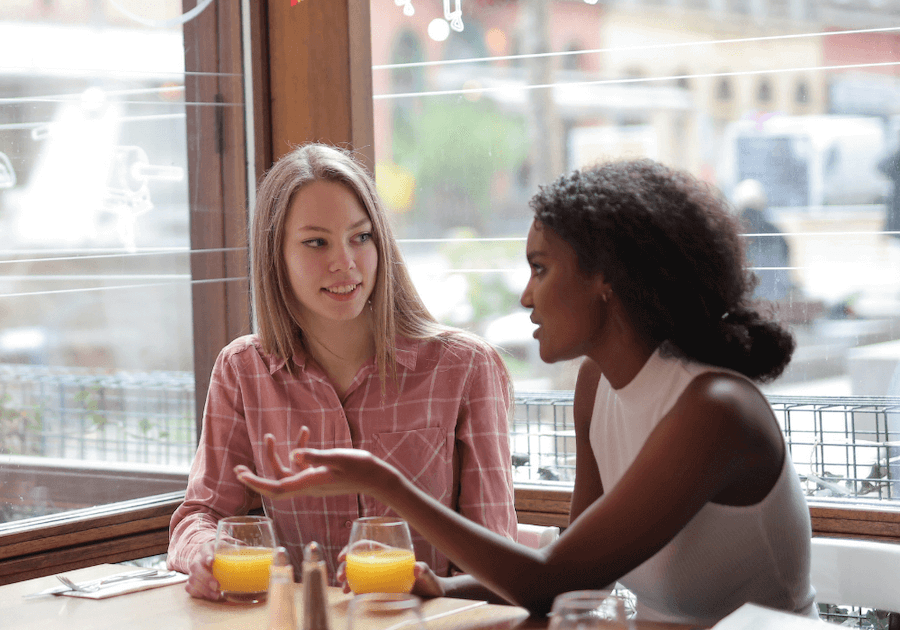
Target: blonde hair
pixel 396 305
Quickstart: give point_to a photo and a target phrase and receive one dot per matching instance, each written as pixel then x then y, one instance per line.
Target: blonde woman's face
pixel 329 253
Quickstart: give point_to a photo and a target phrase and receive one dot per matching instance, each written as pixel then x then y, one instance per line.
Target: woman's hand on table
pixel 427 583
pixel 201 583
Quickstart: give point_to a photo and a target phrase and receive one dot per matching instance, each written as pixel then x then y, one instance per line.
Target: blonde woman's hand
pixel 201 583
pixel 427 583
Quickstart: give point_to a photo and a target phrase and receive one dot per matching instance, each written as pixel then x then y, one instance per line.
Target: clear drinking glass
pixel 588 610
pixel 244 549
pixel 385 611
pixel 380 557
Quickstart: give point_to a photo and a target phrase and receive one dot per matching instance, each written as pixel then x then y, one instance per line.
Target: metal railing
pixel 843 448
pixel 80 414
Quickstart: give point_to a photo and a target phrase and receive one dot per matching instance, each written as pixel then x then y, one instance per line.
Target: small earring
pixel 605 296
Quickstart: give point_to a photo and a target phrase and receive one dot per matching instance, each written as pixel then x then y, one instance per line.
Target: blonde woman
pixel 346 356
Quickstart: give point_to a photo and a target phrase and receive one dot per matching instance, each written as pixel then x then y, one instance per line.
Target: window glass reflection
pixel 798 102
pixel 96 350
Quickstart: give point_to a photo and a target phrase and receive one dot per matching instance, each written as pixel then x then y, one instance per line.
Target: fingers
pixel 201 584
pixel 267 487
pixel 427 584
pixel 303 440
pixel 277 466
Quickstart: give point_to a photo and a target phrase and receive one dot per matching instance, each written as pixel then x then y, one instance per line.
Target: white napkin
pixel 755 617
pixel 118 588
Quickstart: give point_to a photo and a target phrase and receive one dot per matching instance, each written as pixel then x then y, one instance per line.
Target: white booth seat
pixel 537 536
pixel 860 573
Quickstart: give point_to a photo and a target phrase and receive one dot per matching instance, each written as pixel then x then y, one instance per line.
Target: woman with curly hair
pixel 684 490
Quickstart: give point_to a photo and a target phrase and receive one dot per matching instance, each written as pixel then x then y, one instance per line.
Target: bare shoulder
pixel 737 420
pixel 729 404
pixel 726 392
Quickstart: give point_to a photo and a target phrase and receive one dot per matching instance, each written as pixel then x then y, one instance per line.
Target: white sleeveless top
pixel 725 556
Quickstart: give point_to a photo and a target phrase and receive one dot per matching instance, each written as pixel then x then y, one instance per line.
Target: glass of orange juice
pixel 380 557
pixel 245 546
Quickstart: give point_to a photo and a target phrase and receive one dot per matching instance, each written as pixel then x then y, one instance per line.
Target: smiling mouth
pixel 343 289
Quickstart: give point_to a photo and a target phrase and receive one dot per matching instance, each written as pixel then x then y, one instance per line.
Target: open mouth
pixel 343 289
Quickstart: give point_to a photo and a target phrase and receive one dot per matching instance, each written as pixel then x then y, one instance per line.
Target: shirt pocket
pixel 424 456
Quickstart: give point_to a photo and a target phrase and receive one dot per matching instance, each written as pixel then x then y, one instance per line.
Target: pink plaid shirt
pixel 443 423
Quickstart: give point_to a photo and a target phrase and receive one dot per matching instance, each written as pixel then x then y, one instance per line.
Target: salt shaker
pixel 315 574
pixel 281 592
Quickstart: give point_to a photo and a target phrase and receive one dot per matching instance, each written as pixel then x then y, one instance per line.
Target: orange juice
pixel 381 570
pixel 243 569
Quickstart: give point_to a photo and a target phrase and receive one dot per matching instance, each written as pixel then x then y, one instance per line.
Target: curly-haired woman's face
pixel 565 303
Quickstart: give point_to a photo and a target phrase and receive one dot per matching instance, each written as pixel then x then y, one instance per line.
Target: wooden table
pixel 171 608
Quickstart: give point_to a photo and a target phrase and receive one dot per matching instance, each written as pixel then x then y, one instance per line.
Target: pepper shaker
pixel 315 602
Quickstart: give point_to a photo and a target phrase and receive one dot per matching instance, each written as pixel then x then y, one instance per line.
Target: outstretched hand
pixel 316 473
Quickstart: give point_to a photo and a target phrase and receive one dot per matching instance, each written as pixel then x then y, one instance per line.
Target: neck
pixel 620 352
pixel 341 348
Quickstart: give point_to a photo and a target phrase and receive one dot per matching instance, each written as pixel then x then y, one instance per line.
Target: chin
pixel 546 357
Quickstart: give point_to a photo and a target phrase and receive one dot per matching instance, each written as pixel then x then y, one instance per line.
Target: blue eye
pixel 315 242
pixel 365 237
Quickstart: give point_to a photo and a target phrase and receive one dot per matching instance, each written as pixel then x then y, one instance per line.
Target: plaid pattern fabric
pixel 443 422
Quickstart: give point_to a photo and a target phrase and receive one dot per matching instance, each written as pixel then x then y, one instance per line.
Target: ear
pixel 600 287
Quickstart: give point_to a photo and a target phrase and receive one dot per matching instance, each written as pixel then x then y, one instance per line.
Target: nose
pixel 342 258
pixel 525 299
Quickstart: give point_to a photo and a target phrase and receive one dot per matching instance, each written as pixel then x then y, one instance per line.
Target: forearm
pixel 188 533
pixel 465 586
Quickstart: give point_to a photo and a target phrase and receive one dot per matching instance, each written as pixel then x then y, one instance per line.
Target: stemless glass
pixel 380 557
pixel 588 610
pixel 244 549
pixel 385 611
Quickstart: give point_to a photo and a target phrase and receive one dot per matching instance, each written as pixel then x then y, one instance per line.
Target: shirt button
pixel 348 524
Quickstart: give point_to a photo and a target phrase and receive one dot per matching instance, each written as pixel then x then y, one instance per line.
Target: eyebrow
pixel 316 228
pixel 530 256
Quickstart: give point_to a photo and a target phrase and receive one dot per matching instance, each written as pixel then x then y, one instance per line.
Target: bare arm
pixel 711 438
pixel 588 487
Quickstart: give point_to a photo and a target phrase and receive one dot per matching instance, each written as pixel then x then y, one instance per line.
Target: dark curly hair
pixel 671 250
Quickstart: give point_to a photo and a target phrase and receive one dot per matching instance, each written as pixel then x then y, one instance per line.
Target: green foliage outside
pixel 467 144
pixel 20 428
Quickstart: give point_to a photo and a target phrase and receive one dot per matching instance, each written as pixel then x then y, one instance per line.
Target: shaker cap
pixel 313 553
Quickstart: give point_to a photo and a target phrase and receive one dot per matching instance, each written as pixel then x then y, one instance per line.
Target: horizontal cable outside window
pixel 666 46
pixel 637 80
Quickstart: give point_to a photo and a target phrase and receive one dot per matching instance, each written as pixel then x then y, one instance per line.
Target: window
pixel 839 289
pixel 123 270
